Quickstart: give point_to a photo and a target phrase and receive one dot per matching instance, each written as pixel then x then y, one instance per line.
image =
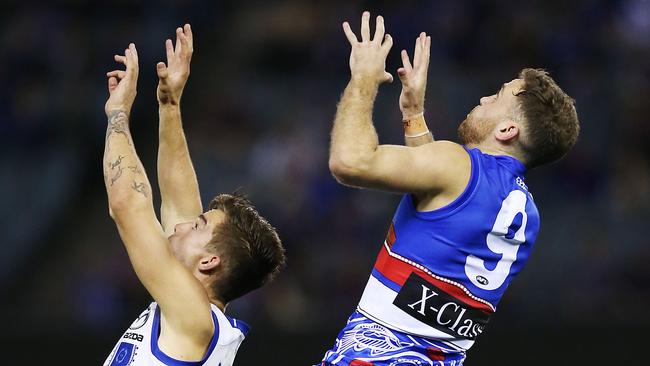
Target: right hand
pixel 368 57
pixel 122 84
pixel 173 76
pixel 414 77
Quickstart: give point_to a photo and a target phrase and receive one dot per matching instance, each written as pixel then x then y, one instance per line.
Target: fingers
pixel 186 51
pixel 134 53
pixel 365 27
pixel 131 59
pixel 379 30
pixel 121 59
pixel 169 49
pixel 112 84
pixel 119 74
pixel 187 29
pixel 388 78
pixel 161 70
pixel 352 38
pixel 417 52
pixel 388 43
pixel 406 62
pixel 426 53
pixel 401 72
pixel 179 46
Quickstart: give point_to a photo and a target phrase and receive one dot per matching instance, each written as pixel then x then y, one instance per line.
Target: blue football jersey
pixel 440 274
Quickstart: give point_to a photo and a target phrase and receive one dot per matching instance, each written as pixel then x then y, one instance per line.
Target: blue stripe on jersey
pixel 162 357
pixel 385 281
pixel 236 323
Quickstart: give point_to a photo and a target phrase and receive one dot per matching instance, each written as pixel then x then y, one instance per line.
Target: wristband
pixel 418 135
pixel 421 114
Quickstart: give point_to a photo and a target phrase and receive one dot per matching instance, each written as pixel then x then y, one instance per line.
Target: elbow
pixel 348 170
pixel 121 206
pixel 117 207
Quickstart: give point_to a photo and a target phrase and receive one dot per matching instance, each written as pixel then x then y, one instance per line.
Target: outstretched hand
pixel 414 77
pixel 173 76
pixel 122 84
pixel 368 57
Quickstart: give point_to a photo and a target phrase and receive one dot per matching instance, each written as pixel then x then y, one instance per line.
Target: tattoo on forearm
pixel 116 165
pixel 134 169
pixel 118 124
pixel 140 188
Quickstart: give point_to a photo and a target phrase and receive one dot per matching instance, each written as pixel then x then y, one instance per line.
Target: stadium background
pixel 266 76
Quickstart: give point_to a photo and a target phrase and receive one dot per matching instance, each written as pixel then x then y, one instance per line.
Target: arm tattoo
pixel 140 188
pixel 135 169
pixel 117 123
pixel 116 165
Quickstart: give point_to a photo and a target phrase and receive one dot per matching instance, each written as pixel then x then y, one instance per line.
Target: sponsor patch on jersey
pixel 431 305
pixel 123 355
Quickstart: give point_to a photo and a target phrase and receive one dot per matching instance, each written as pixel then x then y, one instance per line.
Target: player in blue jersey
pixel 466 223
pixel 192 262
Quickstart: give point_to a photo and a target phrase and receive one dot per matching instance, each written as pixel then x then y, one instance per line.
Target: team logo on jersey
pixel 141 320
pixel 370 337
pixel 123 354
pixel 429 304
pixel 482 280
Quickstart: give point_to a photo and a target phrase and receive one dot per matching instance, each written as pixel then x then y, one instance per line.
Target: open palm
pixel 173 76
pixel 414 77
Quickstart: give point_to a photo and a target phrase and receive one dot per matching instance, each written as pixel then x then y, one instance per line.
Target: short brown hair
pixel 251 250
pixel 551 120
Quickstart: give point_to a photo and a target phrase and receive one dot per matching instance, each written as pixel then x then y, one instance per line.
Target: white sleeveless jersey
pixel 138 346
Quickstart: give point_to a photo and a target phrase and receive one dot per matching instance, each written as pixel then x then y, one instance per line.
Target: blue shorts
pixel 364 342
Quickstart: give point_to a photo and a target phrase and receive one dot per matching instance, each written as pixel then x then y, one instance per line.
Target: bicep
pixel 180 295
pixel 435 167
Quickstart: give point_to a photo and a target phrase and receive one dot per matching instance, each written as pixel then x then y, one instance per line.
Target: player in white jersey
pixel 192 262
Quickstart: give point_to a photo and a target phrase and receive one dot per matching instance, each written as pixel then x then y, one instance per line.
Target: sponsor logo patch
pixel 431 305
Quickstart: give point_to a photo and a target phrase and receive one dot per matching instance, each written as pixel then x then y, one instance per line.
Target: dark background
pixel 266 76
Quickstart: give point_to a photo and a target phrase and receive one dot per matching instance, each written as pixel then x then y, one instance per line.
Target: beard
pixel 468 134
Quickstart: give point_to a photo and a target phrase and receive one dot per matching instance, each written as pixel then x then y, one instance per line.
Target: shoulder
pixel 228 329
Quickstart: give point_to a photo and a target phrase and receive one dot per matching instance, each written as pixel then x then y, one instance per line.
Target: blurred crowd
pixel 257 110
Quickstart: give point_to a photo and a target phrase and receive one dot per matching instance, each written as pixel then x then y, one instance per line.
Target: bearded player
pixel 466 223
pixel 193 263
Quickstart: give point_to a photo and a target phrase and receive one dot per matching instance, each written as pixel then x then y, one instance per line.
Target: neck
pixel 491 149
pixel 220 304
pixel 206 286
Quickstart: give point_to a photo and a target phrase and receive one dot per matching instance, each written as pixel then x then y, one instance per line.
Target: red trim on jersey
pixel 391 237
pixel 398 271
pixel 435 354
pixel 361 363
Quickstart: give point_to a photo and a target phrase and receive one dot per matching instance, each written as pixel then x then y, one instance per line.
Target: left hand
pixel 173 76
pixel 414 77
pixel 122 84
pixel 368 57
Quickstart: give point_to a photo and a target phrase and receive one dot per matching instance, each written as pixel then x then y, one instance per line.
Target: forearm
pixel 127 185
pixel 416 131
pixel 176 176
pixel 353 136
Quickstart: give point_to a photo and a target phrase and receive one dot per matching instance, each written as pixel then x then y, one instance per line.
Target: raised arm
pixel 357 159
pixel 182 299
pixel 181 200
pixel 414 84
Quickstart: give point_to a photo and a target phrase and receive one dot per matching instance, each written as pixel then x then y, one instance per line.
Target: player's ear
pixel 209 263
pixel 506 131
